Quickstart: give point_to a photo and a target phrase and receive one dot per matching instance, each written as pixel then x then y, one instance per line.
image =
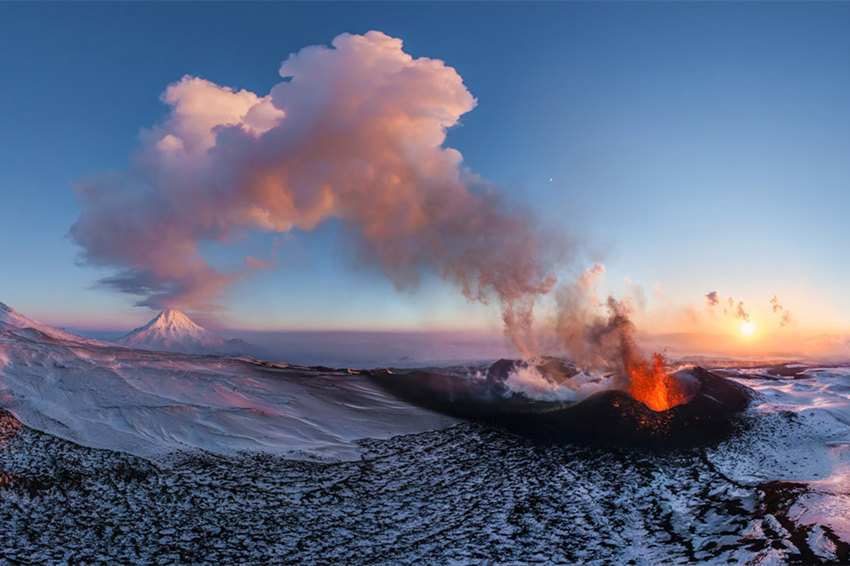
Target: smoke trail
pixel 606 344
pixel 595 341
pixel 742 312
pixel 354 132
pixel 778 309
pixel 739 311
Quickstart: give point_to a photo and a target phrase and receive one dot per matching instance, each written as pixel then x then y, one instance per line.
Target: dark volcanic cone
pixel 713 403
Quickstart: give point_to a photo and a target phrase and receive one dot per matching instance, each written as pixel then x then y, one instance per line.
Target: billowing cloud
pixel 353 132
pixel 712 298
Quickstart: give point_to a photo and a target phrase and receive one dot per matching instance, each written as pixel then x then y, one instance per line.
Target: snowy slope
pixel 13 321
pixel 173 331
pixel 753 499
pixel 800 442
pixel 151 403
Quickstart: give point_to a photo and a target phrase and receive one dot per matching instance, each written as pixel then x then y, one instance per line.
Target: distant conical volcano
pixel 173 331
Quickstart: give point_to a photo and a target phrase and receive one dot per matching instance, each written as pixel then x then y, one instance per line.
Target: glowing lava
pixel 652 384
pixel 649 380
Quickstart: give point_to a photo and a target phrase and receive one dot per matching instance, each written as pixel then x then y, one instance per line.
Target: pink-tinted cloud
pixel 587 281
pixel 589 277
pixel 355 132
pixel 712 298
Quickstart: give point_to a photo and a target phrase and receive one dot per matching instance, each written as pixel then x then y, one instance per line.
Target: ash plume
pixel 596 340
pixel 606 344
pixel 779 310
pixel 611 338
pixel 353 132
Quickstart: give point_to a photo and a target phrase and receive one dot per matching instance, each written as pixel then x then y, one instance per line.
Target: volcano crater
pixel 711 410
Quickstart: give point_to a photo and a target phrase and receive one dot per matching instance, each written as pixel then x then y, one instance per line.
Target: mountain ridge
pixel 12 321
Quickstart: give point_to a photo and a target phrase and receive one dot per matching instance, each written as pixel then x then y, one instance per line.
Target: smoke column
pixel 354 132
pixel 601 344
pixel 596 342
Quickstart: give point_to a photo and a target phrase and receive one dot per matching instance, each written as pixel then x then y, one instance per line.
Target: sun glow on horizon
pixel 748 328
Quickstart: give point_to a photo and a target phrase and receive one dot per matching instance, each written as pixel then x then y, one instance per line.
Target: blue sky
pixel 700 146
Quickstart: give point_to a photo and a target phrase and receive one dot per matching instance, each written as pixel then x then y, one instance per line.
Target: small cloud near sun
pixel 656 290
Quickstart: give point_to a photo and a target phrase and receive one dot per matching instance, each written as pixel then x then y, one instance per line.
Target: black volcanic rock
pixel 612 414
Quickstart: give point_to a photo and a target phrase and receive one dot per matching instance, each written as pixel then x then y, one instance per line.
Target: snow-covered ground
pixel 801 445
pixel 151 403
pixel 132 456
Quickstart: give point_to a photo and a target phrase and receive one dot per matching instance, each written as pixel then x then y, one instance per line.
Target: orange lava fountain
pixel 610 344
pixel 652 384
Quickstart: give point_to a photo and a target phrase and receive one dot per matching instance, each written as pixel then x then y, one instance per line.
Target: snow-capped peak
pixel 171 330
pixel 175 323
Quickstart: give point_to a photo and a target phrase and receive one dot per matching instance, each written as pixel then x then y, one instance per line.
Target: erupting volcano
pixel 604 388
pixel 659 405
pixel 653 385
pixel 607 345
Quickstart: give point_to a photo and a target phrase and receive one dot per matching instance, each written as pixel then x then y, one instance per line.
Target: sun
pixel 747 328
